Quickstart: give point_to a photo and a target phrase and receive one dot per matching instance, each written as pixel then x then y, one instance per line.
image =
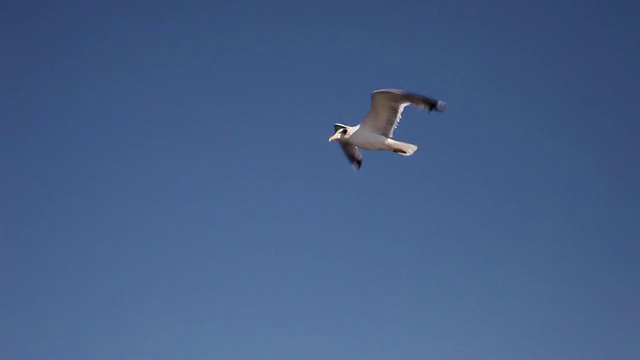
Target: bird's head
pixel 340 132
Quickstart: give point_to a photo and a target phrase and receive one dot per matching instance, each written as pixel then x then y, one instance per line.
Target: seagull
pixel 376 130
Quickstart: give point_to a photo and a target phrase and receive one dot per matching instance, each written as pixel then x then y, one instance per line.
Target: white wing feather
pixel 387 106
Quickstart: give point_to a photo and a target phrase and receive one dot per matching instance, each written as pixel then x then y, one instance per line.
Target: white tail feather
pixel 402 148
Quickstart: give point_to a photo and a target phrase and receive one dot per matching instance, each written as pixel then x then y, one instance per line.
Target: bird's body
pixel 368 140
pixel 376 130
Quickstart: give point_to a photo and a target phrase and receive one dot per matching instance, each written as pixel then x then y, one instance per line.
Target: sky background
pixel 168 191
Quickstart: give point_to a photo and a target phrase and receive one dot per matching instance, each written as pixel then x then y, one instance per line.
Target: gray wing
pixel 387 105
pixel 352 153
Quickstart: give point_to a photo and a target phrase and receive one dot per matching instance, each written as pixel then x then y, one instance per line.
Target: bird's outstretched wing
pixel 352 153
pixel 387 105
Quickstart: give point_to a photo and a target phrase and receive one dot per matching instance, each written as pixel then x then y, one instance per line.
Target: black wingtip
pixel 357 164
pixel 441 106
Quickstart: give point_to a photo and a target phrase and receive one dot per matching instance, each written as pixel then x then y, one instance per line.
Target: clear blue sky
pixel 168 191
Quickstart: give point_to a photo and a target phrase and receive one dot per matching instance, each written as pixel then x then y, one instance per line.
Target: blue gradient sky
pixel 168 191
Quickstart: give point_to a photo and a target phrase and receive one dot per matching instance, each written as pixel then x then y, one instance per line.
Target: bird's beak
pixel 335 136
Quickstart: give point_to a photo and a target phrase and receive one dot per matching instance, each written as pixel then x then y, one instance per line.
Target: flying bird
pixel 376 130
